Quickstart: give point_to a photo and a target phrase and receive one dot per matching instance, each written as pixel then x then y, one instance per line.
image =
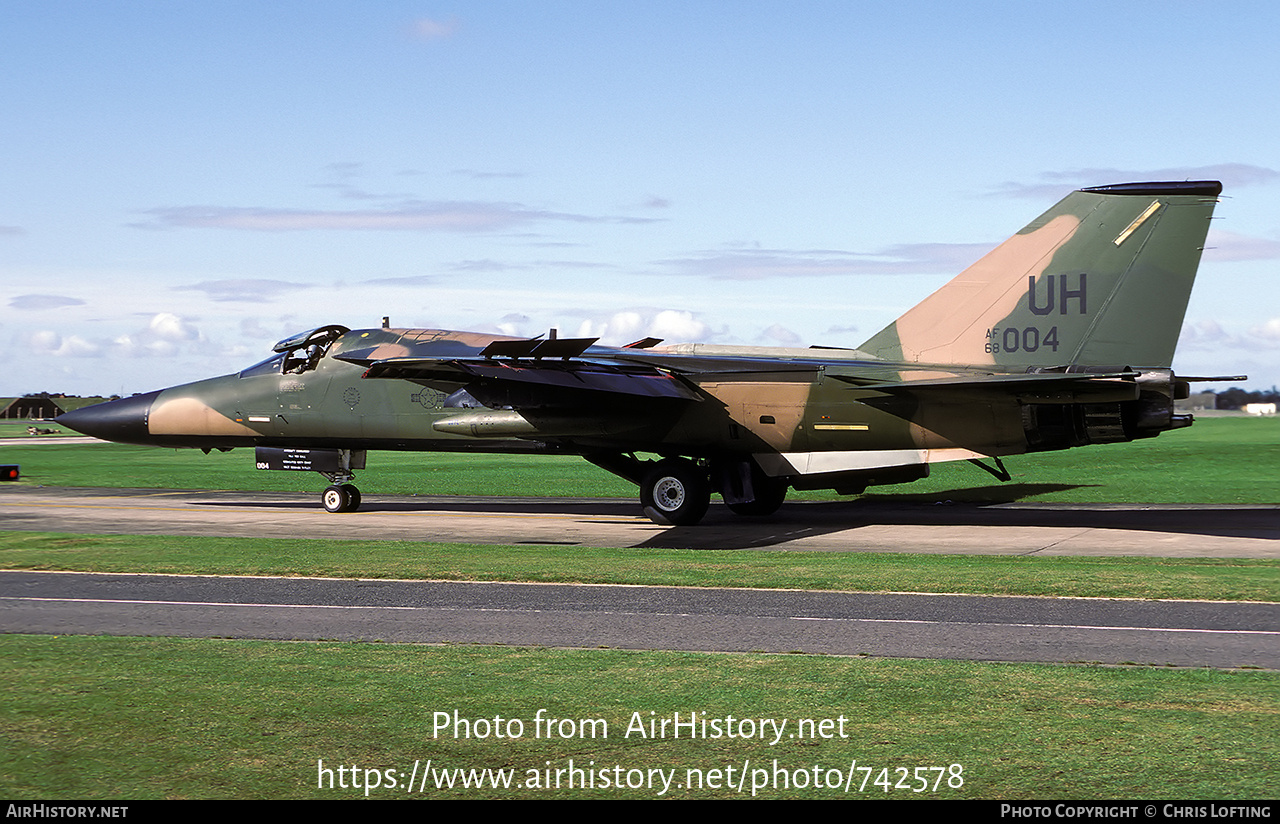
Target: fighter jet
pixel 1062 336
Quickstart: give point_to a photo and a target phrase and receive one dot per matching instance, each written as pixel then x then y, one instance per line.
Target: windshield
pixel 270 366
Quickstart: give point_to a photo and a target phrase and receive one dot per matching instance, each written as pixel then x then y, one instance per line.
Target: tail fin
pixel 1101 278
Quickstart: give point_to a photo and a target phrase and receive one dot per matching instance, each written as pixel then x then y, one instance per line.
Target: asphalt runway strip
pixel 983 628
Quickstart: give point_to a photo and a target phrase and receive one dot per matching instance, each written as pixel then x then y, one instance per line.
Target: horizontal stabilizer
pixel 1215 379
pixel 1059 387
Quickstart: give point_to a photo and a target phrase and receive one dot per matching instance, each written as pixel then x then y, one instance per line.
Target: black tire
pixel 676 492
pixel 354 497
pixel 770 493
pixel 336 499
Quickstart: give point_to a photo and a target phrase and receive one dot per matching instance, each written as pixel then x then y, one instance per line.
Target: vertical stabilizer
pixel 1103 277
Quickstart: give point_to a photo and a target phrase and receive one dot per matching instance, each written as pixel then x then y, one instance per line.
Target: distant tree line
pixel 1236 398
pixel 62 395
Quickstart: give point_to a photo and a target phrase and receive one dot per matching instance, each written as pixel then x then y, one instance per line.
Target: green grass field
pixel 116 718
pixel 172 718
pixel 1218 579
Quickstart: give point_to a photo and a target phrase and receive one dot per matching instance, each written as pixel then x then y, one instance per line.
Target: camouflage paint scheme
pixel 1062 336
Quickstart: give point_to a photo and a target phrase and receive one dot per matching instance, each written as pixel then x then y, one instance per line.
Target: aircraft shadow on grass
pixel 960 509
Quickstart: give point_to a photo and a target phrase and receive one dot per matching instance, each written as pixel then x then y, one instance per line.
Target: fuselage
pixel 796 412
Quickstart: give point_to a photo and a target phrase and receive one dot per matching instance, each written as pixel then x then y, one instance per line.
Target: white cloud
pixel 44 302
pixel 779 335
pixel 252 291
pixel 418 216
pixel 619 328
pixel 623 327
pixel 253 328
pixel 481 174
pixel 485 265
pixel 424 28
pixel 673 325
pixel 48 342
pixel 162 336
pixel 1210 334
pixel 1201 334
pixel 169 327
pixel 411 280
pixel 45 340
pixel 758 264
pixel 1268 331
pixel 1229 246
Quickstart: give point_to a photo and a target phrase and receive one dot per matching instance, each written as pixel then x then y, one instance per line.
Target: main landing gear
pixel 677 491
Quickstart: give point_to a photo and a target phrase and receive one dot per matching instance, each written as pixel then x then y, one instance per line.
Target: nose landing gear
pixel 342 495
pixel 341 498
pixel 337 465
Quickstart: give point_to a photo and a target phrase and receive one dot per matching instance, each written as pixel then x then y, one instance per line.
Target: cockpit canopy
pixel 321 336
pixel 298 353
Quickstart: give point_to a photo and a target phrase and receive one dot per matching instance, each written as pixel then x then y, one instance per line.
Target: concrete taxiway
pixel 1226 531
pixel 1180 633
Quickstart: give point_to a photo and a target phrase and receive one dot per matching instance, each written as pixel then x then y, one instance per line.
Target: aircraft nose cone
pixel 122 420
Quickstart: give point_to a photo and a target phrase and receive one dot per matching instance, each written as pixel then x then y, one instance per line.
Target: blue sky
pixel 184 184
